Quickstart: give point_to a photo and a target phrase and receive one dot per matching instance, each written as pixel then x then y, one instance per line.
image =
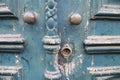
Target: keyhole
pixel 66 52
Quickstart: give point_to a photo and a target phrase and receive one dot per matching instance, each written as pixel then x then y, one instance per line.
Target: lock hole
pixel 66 50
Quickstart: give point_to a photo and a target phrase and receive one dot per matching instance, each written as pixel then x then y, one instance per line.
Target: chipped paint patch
pixel 92 62
pixel 80 57
pixel 14 28
pixel 17 61
pixel 87 25
pixel 67 69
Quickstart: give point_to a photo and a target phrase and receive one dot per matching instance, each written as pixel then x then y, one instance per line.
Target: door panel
pixel 32 58
pixel 107 9
pixel 104 22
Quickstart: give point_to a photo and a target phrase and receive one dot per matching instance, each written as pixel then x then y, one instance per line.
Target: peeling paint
pixel 87 25
pixel 14 28
pixel 17 61
pixel 80 57
pixel 67 69
pixel 92 61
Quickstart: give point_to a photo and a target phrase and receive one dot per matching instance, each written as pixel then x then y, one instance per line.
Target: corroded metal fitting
pixel 67 50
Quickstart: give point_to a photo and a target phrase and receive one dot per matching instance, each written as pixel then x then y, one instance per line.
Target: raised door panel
pixel 105 9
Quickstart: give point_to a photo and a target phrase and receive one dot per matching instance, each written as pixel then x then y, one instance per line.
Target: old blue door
pixel 59 39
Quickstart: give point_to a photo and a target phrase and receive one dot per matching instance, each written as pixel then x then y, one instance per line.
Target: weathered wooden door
pixel 59 39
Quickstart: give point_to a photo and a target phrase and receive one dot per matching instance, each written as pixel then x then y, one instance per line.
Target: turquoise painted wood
pixel 37 59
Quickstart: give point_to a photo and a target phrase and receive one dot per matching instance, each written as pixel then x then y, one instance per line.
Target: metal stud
pixel 30 17
pixel 75 19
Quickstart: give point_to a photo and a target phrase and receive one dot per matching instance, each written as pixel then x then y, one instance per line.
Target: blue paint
pixel 33 59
